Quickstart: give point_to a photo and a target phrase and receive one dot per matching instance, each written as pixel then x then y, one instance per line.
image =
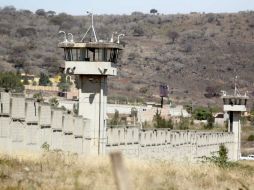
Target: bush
pixel 251 138
pixel 160 122
pixel 138 31
pixel 212 91
pixel 221 160
pixel 11 82
pixel 38 97
pixel 184 123
pixel 44 80
pixel 173 35
pixel 54 102
pixel 201 113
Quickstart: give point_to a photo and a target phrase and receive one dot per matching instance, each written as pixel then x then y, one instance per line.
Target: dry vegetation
pixel 196 54
pixel 55 171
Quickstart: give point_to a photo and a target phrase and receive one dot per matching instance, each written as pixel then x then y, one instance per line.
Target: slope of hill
pixel 197 55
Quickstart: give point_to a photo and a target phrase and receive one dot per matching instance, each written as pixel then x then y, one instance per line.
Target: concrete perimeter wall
pixel 167 144
pixel 26 125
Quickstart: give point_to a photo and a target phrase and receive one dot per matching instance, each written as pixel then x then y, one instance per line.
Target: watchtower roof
pixel 97 45
pixel 234 97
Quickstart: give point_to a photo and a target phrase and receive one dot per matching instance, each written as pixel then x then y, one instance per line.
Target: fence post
pixel 120 171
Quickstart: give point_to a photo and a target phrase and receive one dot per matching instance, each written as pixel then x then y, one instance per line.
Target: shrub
pixel 11 82
pixel 220 160
pixel 116 119
pixel 251 138
pixel 201 113
pixel 53 102
pixel 138 31
pixel 44 80
pixel 143 90
pixel 184 123
pixel 212 91
pixel 160 122
pixel 38 97
pixel 173 35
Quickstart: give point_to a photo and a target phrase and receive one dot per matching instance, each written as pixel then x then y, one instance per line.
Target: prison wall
pixel 27 125
pixel 167 144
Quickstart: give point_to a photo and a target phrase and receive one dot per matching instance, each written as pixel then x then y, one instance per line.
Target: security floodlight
pixel 118 37
pixel 65 38
pixel 112 37
pixel 71 37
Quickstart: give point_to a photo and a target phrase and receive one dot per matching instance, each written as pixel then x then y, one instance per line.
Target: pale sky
pixel 79 7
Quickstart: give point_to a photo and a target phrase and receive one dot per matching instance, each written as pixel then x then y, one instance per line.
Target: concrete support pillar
pixel 45 124
pixel 5 133
pixel 235 127
pixel 5 99
pixel 92 105
pixel 57 129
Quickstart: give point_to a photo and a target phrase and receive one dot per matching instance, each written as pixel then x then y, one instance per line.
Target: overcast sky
pixel 78 7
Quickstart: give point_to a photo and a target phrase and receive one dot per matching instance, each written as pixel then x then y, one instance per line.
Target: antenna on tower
pixel 90 27
pixel 235 93
pixel 112 37
pixel 65 38
pixel 118 37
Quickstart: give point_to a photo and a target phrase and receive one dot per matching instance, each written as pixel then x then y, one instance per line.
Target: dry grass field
pixel 58 171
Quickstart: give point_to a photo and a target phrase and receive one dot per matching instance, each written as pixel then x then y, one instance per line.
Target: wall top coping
pixel 57 109
pixel 31 100
pixel 18 95
pixel 44 104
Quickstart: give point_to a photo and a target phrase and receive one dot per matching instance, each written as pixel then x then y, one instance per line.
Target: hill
pixel 196 54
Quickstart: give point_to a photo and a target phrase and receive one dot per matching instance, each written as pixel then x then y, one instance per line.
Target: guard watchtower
pixel 234 105
pixel 92 61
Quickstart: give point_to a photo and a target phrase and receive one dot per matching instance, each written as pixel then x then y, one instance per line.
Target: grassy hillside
pixel 55 171
pixel 197 55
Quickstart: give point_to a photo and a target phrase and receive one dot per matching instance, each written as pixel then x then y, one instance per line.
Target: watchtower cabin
pixel 234 105
pixel 90 58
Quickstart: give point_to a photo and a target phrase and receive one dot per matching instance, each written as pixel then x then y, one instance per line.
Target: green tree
pixel 44 80
pixel 160 122
pixel 251 138
pixel 64 84
pixel 25 81
pixel 153 11
pixel 184 123
pixel 221 160
pixel 210 121
pixel 115 120
pixel 11 82
pixel 201 113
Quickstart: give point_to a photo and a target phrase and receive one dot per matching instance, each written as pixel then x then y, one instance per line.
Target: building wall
pixel 26 125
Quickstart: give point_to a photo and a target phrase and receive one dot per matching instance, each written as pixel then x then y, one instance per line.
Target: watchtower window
pixel 91 54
